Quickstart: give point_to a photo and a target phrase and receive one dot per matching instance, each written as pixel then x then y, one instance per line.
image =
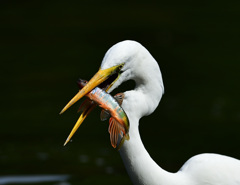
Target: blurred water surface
pixel 25 179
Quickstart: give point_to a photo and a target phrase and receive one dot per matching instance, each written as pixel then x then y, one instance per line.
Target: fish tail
pixel 125 137
pixel 115 129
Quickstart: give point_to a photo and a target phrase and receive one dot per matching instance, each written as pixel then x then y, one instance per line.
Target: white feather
pixel 140 66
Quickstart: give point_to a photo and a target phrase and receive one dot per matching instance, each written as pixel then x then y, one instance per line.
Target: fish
pixel 111 108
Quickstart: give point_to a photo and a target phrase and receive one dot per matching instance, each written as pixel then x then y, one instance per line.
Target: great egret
pixel 140 66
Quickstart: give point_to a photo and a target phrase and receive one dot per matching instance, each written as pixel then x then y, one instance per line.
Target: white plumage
pixel 140 66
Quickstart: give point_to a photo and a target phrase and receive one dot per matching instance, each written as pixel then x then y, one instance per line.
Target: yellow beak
pixel 82 117
pixel 97 79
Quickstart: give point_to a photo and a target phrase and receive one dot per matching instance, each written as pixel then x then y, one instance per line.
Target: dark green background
pixel 46 46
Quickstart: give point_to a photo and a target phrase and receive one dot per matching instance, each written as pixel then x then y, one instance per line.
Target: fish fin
pixel 104 115
pixel 110 125
pixel 119 97
pixel 85 105
pixel 112 132
pixel 114 129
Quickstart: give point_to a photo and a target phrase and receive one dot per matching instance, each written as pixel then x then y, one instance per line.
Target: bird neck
pixel 137 103
pixel 141 168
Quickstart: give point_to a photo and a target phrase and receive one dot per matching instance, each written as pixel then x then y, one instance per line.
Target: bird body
pixel 203 169
pixel 140 66
pixel 212 168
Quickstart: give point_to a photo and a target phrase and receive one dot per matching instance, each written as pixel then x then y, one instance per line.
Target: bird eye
pixel 121 66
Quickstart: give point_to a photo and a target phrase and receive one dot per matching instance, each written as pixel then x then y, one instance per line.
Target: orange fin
pixel 114 129
pixel 85 105
pixel 104 115
pixel 119 97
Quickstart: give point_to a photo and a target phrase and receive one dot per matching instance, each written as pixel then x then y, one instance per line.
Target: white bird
pixel 139 65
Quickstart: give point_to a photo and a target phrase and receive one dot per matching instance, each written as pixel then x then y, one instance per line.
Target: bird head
pixel 124 61
pixel 115 68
